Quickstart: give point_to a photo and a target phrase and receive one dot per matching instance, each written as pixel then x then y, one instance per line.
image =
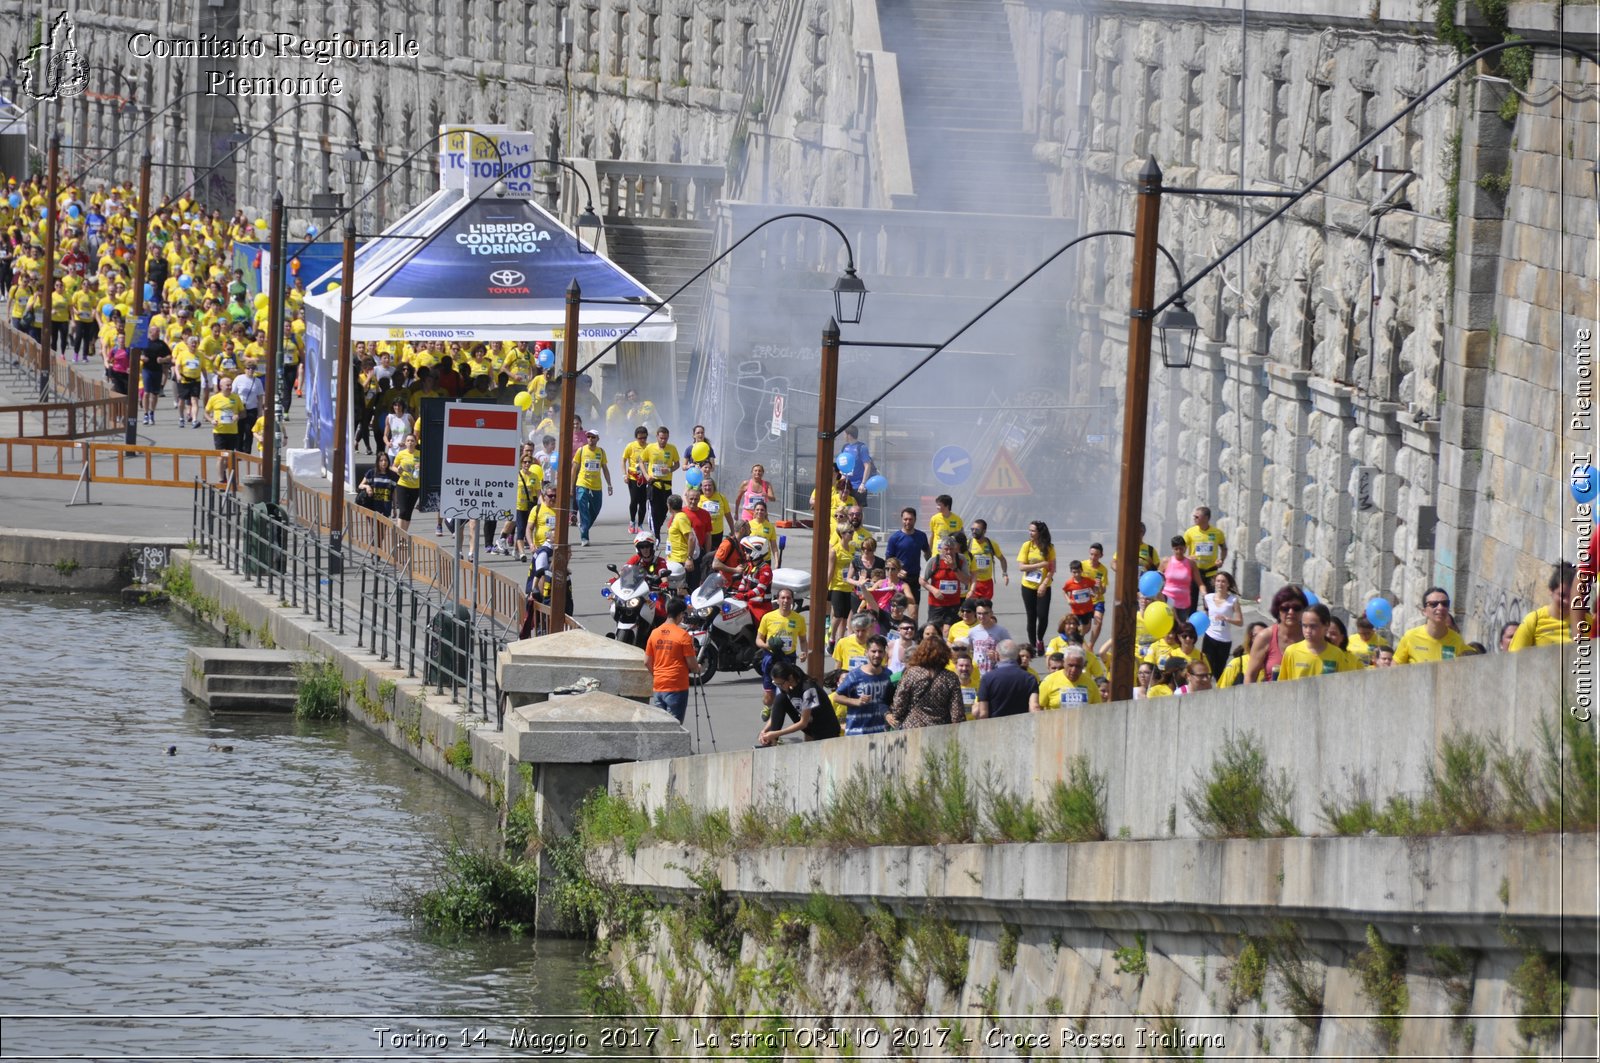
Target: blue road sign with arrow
pixel 952 465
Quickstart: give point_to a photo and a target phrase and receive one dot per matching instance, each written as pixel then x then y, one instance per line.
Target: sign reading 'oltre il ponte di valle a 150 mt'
pixel 479 478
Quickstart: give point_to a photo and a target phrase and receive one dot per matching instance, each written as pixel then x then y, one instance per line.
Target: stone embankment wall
pixel 1323 946
pixel 1308 947
pixel 80 561
pixel 1375 733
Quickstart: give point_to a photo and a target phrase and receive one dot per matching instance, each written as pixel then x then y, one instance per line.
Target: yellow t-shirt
pixel 83 305
pixel 680 533
pixel 589 461
pixel 1031 554
pixel 1092 665
pixel 842 556
pixel 1056 691
pixel 542 522
pixel 1539 628
pixel 765 529
pixel 1300 663
pixel 224 409
pixel 1205 547
pixel 660 462
pixel 941 526
pixel 408 469
pixel 981 558
pixel 1101 577
pixel 717 506
pixel 849 652
pixel 1416 646
pixel 781 633
pixel 529 481
pixel 959 630
pixel 1161 649
pixel 187 363
pixel 633 459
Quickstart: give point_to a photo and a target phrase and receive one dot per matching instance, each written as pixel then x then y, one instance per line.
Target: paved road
pixel 732 703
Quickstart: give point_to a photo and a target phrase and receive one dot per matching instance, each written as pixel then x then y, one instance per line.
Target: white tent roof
pixel 487 269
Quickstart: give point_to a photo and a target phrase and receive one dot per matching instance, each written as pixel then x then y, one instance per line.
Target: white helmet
pixel 755 546
pixel 642 540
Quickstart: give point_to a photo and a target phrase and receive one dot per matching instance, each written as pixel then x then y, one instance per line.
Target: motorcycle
pixel 633 605
pixel 723 630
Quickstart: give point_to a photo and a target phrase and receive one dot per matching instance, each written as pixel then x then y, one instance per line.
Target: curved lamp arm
pixel 849 270
pixel 1070 244
pixel 112 150
pixel 280 116
pixel 1290 201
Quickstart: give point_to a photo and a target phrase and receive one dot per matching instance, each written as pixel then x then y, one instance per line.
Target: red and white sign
pixel 481 444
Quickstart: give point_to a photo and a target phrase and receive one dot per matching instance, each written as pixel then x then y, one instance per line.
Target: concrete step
pixel 251 702
pixel 251 684
pixel 227 660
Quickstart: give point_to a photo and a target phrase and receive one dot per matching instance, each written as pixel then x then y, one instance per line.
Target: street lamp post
pixel 342 388
pixel 821 501
pixel 1136 402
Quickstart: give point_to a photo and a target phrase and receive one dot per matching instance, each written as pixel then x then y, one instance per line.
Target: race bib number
pixel 1074 696
pixel 659 471
pixel 751 500
pixel 224 416
pixel 982 562
pixel 1082 597
pixel 550 521
pixel 591 466
pixel 712 507
pixel 1204 548
pixel 857 662
pixel 191 365
pixel 948 586
pixel 782 643
pixel 1031 579
pixel 968 696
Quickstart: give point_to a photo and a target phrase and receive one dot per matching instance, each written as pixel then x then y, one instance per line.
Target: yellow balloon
pixel 262 300
pixel 522 400
pixel 1158 619
pixel 700 451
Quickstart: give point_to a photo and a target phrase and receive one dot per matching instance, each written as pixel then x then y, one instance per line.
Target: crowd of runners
pixel 913 630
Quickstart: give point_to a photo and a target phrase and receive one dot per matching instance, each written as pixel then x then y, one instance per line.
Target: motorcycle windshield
pixel 709 591
pixel 629 584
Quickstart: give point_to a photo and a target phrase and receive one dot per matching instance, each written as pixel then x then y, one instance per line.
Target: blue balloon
pixel 846 462
pixel 1380 612
pixel 185 282
pixel 694 476
pixel 1199 621
pixel 149 292
pixel 44 212
pixel 1585 485
pixel 877 483
pixel 74 211
pixel 1150 584
pixel 547 358
pixel 105 311
pixel 311 232
pixel 15 200
pixel 1311 596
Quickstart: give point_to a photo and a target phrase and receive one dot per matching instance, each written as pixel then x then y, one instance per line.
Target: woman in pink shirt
pixel 1182 576
pixel 756 489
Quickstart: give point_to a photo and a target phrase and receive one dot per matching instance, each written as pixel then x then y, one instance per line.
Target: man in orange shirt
pixel 671 657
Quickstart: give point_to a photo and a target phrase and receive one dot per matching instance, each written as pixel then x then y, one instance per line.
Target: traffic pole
pixel 559 561
pixel 821 503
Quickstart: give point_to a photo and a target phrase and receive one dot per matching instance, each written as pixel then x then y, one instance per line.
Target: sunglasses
pixel 1437 603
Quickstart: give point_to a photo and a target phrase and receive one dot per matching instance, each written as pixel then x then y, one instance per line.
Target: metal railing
pixel 56 382
pixel 414 625
pixel 118 463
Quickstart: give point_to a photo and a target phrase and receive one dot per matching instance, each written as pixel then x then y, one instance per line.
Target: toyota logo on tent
pixel 508 282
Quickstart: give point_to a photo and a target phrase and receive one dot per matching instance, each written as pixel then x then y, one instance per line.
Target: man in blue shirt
pixel 862 468
pixel 909 546
pixel 865 691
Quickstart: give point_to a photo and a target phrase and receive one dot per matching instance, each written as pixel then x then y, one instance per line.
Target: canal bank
pixel 245 890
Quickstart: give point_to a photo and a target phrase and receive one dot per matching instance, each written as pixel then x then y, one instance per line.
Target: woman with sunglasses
pixel 1266 653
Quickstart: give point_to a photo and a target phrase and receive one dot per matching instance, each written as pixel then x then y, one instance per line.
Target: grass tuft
pixel 1241 798
pixel 1381 970
pixel 320 694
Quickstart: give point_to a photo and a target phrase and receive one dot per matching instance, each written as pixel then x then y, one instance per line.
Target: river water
pixel 238 904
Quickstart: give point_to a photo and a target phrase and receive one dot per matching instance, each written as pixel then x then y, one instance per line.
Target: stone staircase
pixel 963 107
pixel 238 680
pixel 662 254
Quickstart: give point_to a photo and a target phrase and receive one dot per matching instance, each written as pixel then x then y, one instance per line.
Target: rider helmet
pixel 643 541
pixel 755 546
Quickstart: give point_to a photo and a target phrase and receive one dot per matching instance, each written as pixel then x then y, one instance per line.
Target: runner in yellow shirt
pixel 1315 655
pixel 633 473
pixel 1433 640
pixel 1206 545
pixel 224 410
pixel 1551 624
pixel 1070 687
pixel 943 522
pixel 589 466
pixel 661 460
